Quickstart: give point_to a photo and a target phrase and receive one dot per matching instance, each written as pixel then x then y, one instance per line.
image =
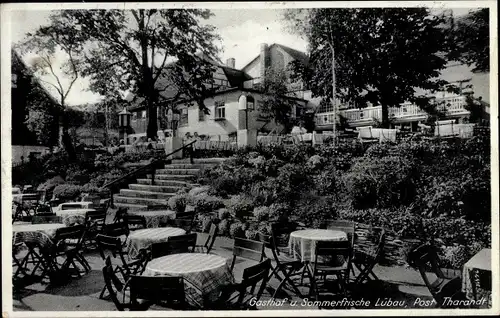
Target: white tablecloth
pixel 204 274
pixel 480 261
pixel 155 218
pixel 71 217
pixel 302 243
pixel 40 233
pixel 142 239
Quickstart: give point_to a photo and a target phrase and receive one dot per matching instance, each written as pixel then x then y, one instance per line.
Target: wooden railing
pixel 150 168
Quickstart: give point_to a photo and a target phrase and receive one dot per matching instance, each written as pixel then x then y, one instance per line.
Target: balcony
pixel 407 112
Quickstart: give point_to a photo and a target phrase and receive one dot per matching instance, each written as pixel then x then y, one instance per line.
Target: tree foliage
pixel 382 55
pixel 470 40
pixel 146 52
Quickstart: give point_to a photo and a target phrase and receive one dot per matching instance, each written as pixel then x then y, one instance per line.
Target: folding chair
pixel 331 258
pixel 424 258
pixel 69 243
pixel 349 228
pixel 110 246
pixel 237 296
pixel 135 222
pixel 366 261
pixel 184 221
pixel 287 266
pixel 248 249
pixel 94 222
pixel 120 214
pixel 174 245
pixel 161 290
pixel 209 243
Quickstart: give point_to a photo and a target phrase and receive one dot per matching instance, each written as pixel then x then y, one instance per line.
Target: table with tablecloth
pixel 302 243
pixel 39 233
pixel 155 218
pixel 204 274
pixel 142 239
pixel 72 217
pixel 480 262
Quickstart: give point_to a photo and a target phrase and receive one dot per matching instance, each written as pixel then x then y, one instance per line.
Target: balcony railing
pixel 407 111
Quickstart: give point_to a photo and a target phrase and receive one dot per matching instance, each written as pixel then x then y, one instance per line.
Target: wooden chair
pixel 174 245
pixel 285 265
pixel 69 244
pixel 424 258
pixel 237 296
pixel 349 228
pixel 161 290
pixel 120 214
pixel 94 222
pixel 112 247
pixel 209 243
pixel 46 219
pixel 331 258
pixel 366 261
pixel 248 249
pixel 183 220
pixel 134 222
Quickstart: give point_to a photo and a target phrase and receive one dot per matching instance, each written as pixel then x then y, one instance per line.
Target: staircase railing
pixel 114 186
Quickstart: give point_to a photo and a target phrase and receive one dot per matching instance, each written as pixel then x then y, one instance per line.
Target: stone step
pixel 161 182
pixel 199 160
pixel 141 201
pixel 131 207
pixel 155 188
pixel 145 194
pixel 178 171
pixel 173 176
pixel 184 166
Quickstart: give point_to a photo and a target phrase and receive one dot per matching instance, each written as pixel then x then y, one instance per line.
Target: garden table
pixel 39 233
pixel 155 218
pixel 302 243
pixel 74 216
pixel 479 262
pixel 204 275
pixel 142 239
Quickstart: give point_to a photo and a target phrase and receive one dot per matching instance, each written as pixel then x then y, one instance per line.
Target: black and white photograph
pixel 250 158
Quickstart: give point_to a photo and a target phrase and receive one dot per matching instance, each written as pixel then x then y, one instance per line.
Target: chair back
pixel 157 289
pixel 248 249
pixel 72 206
pixel 270 243
pixel 113 283
pixel 424 258
pixel 182 243
pixel 280 233
pixel 212 235
pixel 47 219
pixel 120 214
pixel 95 219
pixel 185 215
pixel 185 224
pixel 253 276
pixel 135 222
pixel 116 229
pixel 70 234
pixel 110 246
pixel 336 253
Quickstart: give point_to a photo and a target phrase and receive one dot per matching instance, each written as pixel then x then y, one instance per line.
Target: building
pixel 234 107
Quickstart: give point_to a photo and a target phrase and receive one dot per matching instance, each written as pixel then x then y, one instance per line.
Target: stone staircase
pixel 180 174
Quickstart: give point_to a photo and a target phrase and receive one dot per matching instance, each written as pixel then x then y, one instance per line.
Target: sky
pixel 242 31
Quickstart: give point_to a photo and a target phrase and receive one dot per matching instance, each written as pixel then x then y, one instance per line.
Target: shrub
pixel 178 203
pixel 224 227
pixel 312 210
pixel 241 206
pixel 67 191
pixel 223 213
pixel 315 162
pixel 237 229
pixel 206 203
pixel 198 191
pixel 50 184
pixel 261 213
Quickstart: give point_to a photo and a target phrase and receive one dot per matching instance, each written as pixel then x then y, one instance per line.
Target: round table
pixel 71 217
pixel 39 233
pixel 302 243
pixel 155 218
pixel 204 274
pixel 142 239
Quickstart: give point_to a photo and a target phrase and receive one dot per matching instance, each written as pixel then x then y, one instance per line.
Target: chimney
pixel 264 60
pixel 231 62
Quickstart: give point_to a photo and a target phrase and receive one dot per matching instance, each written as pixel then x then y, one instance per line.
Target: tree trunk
pixel 66 139
pixel 385 116
pixel 152 130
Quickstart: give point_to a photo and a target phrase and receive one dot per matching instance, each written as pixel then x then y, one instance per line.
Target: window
pixel 201 115
pixel 143 114
pixel 183 121
pixel 220 110
pixel 250 103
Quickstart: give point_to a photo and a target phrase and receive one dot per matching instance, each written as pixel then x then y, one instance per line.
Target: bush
pixel 50 184
pixel 67 191
pixel 223 213
pixel 178 202
pixel 206 203
pixel 224 227
pixel 237 229
pixel 313 210
pixel 241 206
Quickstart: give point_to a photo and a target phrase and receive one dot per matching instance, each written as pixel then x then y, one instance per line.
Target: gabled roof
pixel 234 76
pixel 295 54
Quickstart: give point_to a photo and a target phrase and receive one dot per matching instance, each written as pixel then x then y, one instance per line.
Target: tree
pixel 470 41
pixel 381 55
pixel 46 43
pixel 276 105
pixel 147 53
